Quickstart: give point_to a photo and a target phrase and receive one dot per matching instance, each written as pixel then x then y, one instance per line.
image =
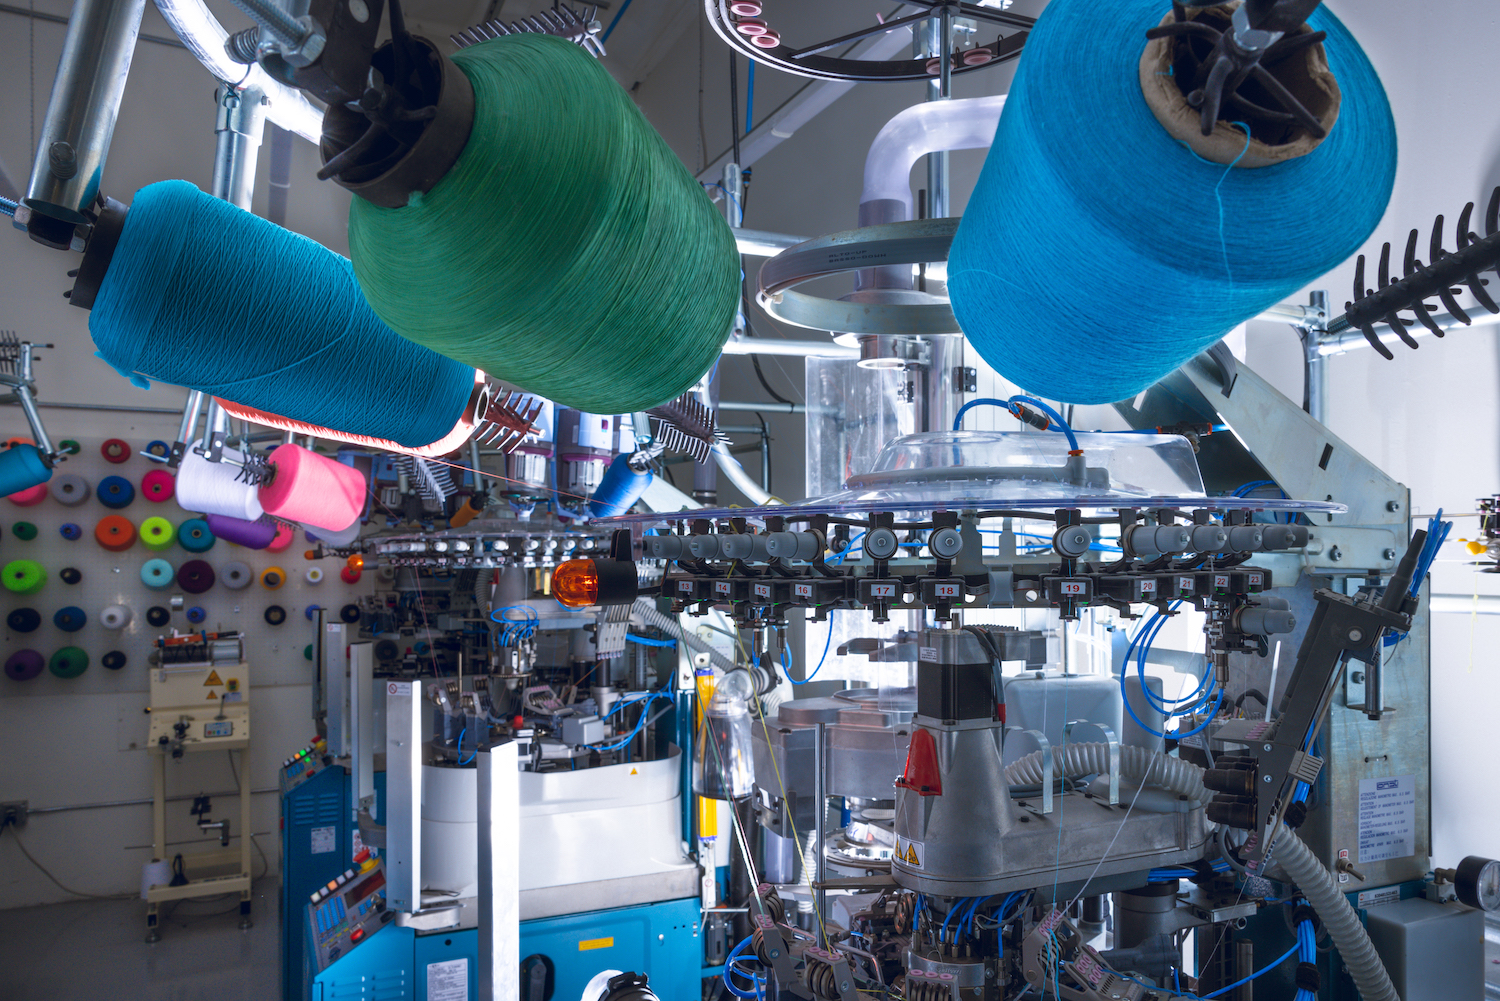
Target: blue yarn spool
pixel 116 492
pixel 157 574
pixel 1097 253
pixel 619 488
pixel 71 532
pixel 70 619
pixel 289 334
pixel 196 614
pixel 22 468
pixel 195 536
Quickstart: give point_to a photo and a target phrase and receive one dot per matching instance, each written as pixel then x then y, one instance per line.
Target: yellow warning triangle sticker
pixel 634 772
pixel 210 697
pixel 911 856
pixel 213 678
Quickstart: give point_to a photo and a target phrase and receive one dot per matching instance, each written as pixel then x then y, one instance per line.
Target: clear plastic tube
pixel 921 129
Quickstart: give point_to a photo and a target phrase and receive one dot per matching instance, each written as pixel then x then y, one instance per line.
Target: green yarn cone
pixel 568 252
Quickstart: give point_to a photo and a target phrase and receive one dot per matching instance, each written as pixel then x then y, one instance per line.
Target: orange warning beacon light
pixel 581 583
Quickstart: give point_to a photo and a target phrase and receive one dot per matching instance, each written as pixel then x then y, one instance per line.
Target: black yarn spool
pixel 23 620
pixel 349 613
pixel 386 650
pixel 275 615
pixel 158 616
pixel 114 660
pixel 70 575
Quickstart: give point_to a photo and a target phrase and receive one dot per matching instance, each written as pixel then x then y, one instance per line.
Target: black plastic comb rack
pixel 563 21
pixel 686 425
pixel 1439 276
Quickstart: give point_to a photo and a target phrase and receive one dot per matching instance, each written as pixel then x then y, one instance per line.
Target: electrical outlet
pixel 14 812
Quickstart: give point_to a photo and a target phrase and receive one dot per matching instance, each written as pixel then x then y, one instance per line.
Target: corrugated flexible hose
pixel 644 612
pixel 1315 882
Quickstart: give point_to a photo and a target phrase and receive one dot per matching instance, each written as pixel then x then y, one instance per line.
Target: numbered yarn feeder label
pixel 1063 257
pixel 329 361
pixel 492 281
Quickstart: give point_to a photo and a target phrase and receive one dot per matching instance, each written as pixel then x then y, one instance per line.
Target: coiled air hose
pixel 1322 892
pixel 1315 882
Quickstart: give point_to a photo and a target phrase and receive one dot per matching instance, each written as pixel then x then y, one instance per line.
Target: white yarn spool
pixel 214 487
pixel 157 872
pixel 235 575
pixel 337 539
pixel 114 617
pixel 314 575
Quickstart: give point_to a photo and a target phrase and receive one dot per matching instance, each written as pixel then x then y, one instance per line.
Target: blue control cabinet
pixel 315 848
pixel 660 940
pixel 317 843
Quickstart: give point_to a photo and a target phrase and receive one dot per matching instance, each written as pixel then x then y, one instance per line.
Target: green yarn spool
pixel 23 530
pixel 568 251
pixel 23 576
pixel 69 662
pixel 157 533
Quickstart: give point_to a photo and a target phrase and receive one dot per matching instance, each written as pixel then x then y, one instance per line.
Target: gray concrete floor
pixel 96 949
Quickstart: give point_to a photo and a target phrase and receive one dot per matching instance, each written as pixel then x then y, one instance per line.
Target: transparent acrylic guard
pixel 978 470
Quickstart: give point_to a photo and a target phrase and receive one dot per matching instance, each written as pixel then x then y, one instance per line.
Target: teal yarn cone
pixel 205 295
pixel 1097 253
pixel 568 251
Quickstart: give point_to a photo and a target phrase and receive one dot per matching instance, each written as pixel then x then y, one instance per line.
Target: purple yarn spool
pixel 196 576
pixel 23 665
pixel 256 534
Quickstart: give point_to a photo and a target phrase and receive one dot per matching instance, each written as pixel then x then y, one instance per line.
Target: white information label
pixel 398 688
pixel 323 839
pixel 448 981
pixel 1387 818
pixel 1374 898
pixel 928 654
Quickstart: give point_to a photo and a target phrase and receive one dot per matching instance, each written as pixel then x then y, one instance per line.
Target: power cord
pixel 58 883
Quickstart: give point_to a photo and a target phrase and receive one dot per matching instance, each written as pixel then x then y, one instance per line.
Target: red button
pixel 357 935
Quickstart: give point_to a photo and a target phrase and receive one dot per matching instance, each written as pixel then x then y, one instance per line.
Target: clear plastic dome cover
pixel 978 470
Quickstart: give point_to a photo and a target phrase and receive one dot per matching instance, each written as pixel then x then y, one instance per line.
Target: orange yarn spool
pixel 115 532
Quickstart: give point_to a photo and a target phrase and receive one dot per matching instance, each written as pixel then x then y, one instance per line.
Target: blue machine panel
pixel 660 940
pixel 315 848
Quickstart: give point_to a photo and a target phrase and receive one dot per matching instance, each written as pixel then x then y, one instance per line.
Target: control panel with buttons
pixel 348 910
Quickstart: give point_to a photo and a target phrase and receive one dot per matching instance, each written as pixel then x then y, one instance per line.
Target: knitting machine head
pixel 399 114
pixel 1232 63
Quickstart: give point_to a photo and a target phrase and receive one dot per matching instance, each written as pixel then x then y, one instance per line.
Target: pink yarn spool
pixel 314 490
pixel 29 496
pixel 158 486
pixel 285 536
